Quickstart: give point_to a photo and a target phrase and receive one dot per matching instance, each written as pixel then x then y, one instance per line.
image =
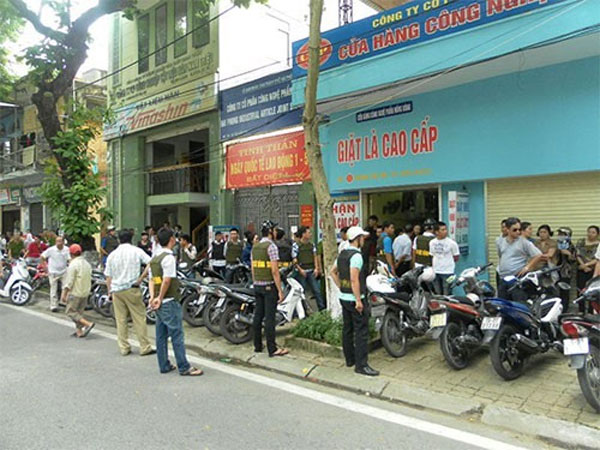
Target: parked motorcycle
pixel 99 298
pixel 236 321
pixel 400 306
pixel 38 276
pixel 194 299
pixel 582 343
pixel 519 330
pixel 456 320
pixel 14 283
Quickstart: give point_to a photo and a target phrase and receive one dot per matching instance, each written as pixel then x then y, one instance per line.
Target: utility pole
pixel 345 8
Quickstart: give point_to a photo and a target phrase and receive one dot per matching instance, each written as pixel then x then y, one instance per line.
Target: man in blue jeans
pixel 164 294
pixel 308 264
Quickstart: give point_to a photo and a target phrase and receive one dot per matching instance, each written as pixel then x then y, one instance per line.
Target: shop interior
pixel 406 206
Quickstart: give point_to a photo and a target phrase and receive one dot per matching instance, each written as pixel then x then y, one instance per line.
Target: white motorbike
pixel 14 284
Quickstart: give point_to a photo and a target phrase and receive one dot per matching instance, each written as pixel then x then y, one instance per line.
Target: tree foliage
pixel 79 206
pixel 12 23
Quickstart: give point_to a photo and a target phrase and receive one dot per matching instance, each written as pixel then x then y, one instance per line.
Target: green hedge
pixel 321 327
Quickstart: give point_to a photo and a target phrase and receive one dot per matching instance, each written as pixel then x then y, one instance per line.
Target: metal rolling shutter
pixel 571 200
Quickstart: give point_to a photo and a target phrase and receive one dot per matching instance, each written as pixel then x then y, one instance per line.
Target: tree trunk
pixel 310 122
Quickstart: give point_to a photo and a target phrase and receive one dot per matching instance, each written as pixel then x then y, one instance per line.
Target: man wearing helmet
pixel 78 284
pixel 350 274
pixel 267 289
pixel 421 253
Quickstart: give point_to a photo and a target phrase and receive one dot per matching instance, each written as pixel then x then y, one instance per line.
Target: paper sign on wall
pixel 458 215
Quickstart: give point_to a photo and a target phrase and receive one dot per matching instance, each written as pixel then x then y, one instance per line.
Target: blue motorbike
pixel 517 330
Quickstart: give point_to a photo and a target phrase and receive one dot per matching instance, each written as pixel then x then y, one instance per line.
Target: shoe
pixel 151 352
pixel 367 370
pixel 55 309
pixel 87 330
pixel 126 353
pixel 350 364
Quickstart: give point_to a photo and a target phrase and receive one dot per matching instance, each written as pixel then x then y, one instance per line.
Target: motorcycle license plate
pixel 221 302
pixel 579 346
pixel 491 323
pixel 437 321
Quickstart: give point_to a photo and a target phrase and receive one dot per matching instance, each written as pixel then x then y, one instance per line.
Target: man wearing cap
pixel 350 275
pixel 267 289
pixel 76 290
pixel 109 244
pixel 57 258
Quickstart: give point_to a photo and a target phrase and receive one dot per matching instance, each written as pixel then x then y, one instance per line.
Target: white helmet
pixel 428 275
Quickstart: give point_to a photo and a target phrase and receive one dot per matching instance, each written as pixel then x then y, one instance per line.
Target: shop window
pixel 200 23
pixel 143 43
pixel 160 57
pixel 181 25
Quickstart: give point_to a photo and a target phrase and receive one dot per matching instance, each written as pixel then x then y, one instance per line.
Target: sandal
pixel 192 372
pixel 279 352
pixel 87 330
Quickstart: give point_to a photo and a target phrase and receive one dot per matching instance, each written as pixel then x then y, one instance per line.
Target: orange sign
pixel 263 162
pixel 324 54
pixel 307 215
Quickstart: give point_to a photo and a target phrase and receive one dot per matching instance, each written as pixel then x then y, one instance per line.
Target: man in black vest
pixel 233 253
pixel 216 254
pixel 308 265
pixel 350 275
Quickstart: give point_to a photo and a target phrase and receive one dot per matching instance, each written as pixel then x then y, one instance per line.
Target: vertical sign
pixel 458 214
pixel 307 215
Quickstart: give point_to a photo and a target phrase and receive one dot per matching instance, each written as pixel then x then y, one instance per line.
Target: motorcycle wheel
pixel 508 362
pixel 589 377
pixel 232 329
pixel 19 295
pixel 210 315
pixel 393 338
pixel 191 313
pixel 456 358
pixel 103 305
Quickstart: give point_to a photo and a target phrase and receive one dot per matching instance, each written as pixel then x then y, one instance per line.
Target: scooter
pixel 14 283
pixel 237 319
pixel 403 304
pixel 519 330
pixel 582 343
pixel 456 320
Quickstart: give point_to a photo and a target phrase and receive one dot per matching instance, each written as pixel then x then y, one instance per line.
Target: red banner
pixel 307 215
pixel 263 162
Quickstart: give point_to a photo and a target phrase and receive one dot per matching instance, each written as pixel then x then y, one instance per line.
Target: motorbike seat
pixel 397 296
pixel 242 290
pixel 595 318
pixel 462 300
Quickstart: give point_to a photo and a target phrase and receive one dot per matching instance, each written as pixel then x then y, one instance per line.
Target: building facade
pixel 468 113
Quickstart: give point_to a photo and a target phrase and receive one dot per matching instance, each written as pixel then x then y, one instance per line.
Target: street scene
pixel 300 224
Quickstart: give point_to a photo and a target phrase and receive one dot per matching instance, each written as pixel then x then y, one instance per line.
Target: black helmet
pixel 267 225
pixel 429 223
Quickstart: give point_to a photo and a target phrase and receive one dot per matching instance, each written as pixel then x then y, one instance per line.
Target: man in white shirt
pixel 445 254
pixel 344 243
pixel 123 269
pixel 164 295
pixel 57 258
pixel 402 249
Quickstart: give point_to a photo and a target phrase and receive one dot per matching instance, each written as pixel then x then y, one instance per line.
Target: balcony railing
pixel 176 179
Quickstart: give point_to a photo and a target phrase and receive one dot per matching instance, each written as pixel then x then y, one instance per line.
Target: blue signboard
pixel 415 22
pixel 259 106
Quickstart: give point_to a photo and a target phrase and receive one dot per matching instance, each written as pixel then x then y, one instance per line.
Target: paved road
pixel 59 392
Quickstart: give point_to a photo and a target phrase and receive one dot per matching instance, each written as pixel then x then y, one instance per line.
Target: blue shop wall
pixel 536 122
pixel 477 255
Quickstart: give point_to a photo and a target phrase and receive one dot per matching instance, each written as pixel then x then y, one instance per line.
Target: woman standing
pixel 547 246
pixel 586 249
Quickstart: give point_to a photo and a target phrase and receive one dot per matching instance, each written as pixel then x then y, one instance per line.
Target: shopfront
pixel 512 134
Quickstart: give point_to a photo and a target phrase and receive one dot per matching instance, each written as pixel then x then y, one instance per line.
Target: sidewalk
pixel 545 402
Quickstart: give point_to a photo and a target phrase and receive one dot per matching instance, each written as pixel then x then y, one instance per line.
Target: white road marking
pixel 328 399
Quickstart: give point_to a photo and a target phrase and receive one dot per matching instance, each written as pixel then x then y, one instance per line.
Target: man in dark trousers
pixel 233 253
pixel 267 289
pixel 350 275
pixel 284 247
pixel 216 254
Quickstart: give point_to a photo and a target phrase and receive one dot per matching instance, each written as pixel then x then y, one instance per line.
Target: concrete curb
pixel 552 430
